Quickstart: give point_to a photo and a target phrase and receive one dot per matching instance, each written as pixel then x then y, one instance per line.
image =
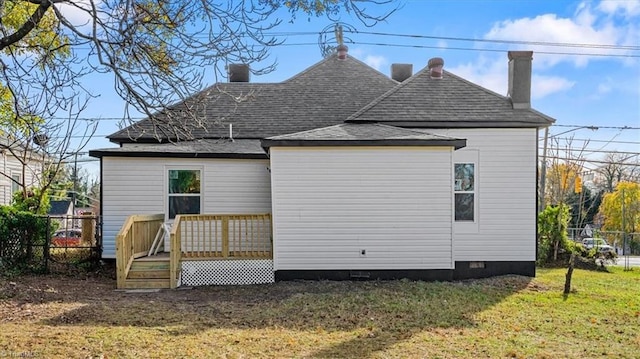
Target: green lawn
pixel 501 317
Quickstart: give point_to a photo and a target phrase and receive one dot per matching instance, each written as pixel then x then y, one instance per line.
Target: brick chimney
pixel 520 79
pixel 401 72
pixel 238 73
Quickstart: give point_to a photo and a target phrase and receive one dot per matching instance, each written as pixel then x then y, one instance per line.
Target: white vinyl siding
pixel 506 195
pixel 329 204
pixel 138 186
pixel 11 166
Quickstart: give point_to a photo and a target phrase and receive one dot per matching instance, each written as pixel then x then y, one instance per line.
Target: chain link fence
pixel 624 243
pixel 68 244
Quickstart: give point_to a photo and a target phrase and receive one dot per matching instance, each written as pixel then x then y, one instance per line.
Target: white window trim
pixel 459 157
pixel 166 187
pixel 12 183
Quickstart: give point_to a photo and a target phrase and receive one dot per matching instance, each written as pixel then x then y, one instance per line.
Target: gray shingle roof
pixel 59 208
pixel 323 95
pixel 203 148
pixel 450 102
pixel 372 134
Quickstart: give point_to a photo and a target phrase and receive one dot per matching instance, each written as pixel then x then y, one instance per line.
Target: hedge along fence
pixel 26 243
pixel 23 241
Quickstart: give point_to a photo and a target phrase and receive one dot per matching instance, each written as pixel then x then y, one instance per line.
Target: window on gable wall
pixel 464 192
pixel 184 192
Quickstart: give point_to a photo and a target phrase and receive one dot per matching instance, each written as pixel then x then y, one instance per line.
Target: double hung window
pixel 185 194
pixel 464 192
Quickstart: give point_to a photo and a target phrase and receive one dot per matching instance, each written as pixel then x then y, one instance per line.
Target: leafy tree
pixel 552 228
pixel 561 178
pixel 159 52
pixel 36 201
pixel 584 207
pixel 621 208
pixel 32 44
pixel 72 183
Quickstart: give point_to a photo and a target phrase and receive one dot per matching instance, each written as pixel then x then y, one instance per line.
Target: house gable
pixel 60 208
pixel 323 95
pixel 447 102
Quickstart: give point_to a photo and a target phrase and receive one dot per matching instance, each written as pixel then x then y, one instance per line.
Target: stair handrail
pixel 175 254
pixel 133 241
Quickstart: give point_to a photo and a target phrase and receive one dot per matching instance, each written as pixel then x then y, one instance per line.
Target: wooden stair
pixel 149 273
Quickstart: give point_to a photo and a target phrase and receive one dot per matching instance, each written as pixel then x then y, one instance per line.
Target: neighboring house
pixel 424 175
pixel 17 168
pixel 62 211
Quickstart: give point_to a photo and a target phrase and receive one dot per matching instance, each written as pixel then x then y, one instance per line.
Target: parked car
pixel 67 237
pixel 600 244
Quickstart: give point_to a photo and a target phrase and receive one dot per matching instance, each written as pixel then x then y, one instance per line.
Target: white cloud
pixel 605 87
pixel 375 61
pixel 586 26
pixel 628 8
pixel 492 73
pixel 488 73
pixel 76 12
pixel 542 86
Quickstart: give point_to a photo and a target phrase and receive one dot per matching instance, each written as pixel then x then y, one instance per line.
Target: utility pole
pixel 543 167
pixel 543 170
pixel 75 182
pixel 627 266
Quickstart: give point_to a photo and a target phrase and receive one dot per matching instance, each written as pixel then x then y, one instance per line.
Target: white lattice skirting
pixel 227 272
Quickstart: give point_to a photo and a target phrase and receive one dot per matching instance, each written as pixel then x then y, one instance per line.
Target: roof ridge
pixel 506 98
pixel 326 59
pixel 405 83
pixel 379 99
pixel 405 129
pixel 307 70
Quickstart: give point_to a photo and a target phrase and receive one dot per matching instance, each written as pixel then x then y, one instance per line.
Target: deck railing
pixel 194 237
pixel 228 236
pixel 133 241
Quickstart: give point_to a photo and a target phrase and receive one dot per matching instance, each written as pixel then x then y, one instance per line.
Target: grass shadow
pixel 382 312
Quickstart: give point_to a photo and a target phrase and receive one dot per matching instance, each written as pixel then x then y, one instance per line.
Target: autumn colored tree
pixel 561 180
pixel 621 208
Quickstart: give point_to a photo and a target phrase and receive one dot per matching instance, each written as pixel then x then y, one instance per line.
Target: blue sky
pixel 576 90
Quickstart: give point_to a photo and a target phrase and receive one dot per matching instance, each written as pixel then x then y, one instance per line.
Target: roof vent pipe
pixel 435 66
pixel 401 72
pixel 342 51
pixel 238 72
pixel 231 132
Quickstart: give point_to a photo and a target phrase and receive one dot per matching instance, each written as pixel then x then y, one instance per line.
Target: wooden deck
pixel 197 238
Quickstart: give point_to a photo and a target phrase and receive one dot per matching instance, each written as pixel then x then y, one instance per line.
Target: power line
pixel 587 151
pixel 591 140
pixel 591 46
pixel 498 41
pixel 604 127
pixel 594 161
pixel 479 50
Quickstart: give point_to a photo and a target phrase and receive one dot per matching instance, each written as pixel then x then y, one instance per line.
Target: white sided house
pixel 18 168
pixel 337 173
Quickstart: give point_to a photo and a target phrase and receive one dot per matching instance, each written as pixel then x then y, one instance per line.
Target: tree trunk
pixel 567 281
